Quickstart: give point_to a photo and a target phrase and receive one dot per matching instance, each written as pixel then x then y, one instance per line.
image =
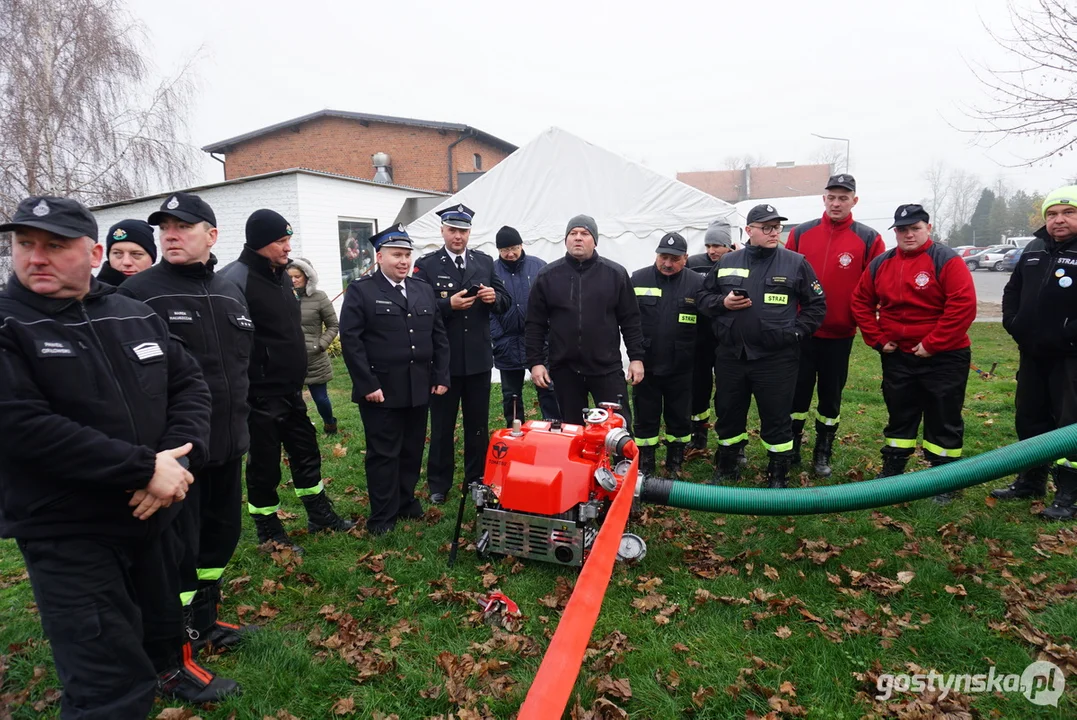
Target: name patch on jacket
pixel 241 321
pixel 54 348
pixel 776 299
pixel 146 352
pixel 180 316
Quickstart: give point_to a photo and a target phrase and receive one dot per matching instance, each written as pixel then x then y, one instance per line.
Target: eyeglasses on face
pixel 768 229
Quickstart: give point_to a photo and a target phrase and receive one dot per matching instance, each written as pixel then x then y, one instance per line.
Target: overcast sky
pixel 675 85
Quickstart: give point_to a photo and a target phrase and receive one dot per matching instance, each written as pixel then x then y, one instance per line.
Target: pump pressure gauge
pixel 632 548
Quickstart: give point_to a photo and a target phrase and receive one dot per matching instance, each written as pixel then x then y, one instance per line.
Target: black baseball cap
pixel 909 215
pixel 672 244
pixel 59 216
pixel 844 180
pixel 764 213
pixel 185 206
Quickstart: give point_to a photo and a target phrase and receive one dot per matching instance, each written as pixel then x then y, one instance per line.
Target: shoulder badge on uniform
pixel 816 287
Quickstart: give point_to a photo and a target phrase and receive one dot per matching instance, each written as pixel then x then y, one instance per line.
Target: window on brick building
pixel 478 161
pixel 357 256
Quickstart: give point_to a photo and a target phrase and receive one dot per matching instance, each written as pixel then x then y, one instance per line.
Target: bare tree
pixel 80 113
pixel 939 185
pixel 832 154
pixel 739 162
pixel 964 189
pixel 1036 95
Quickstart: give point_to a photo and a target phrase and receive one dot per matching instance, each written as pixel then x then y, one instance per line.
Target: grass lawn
pixel 726 617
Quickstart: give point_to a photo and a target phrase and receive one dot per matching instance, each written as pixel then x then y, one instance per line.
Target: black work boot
pixel 203 626
pixel 778 471
pixel 726 467
pixel 946 497
pixel 798 440
pixel 269 528
pixel 1031 483
pixel 646 460
pixel 674 459
pixel 331 427
pixel 191 683
pixel 1065 495
pixel 321 515
pixel 893 465
pixel 698 445
pixel 824 449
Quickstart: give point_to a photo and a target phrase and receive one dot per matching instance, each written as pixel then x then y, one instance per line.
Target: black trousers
pixel 823 361
pixel 931 389
pixel 275 421
pixel 394 456
pixel 471 393
pixel 209 525
pixel 703 378
pixel 1046 397
pixel 512 383
pixel 659 396
pixel 772 381
pixel 572 389
pixel 110 609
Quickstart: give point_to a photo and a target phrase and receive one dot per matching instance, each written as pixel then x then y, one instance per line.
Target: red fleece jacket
pixel 838 253
pixel 916 305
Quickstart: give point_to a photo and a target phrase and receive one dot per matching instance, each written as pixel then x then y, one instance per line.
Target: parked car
pixel 1009 260
pixel 966 250
pixel 990 257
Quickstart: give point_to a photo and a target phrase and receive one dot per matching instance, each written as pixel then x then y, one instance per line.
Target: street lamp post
pixel 844 140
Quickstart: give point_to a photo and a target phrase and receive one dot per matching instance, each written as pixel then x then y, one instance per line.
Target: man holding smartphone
pixel 766 301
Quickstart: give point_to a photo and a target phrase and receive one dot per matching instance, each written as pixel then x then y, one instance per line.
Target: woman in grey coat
pixel 319 328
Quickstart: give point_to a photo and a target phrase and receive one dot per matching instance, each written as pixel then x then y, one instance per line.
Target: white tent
pixel 556 176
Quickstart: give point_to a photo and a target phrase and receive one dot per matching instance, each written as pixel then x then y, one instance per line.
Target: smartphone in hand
pixel 472 291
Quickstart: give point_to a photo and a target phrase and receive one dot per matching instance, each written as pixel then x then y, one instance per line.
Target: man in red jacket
pixel 838 249
pixel 926 301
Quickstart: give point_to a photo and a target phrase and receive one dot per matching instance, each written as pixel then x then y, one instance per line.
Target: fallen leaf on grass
pixel 344 706
pixel 905 576
pixel 339 451
pixel 783 632
pixel 959 590
pixel 178 714
pixel 619 688
pixel 771 573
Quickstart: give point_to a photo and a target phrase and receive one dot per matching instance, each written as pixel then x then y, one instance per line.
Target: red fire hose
pixel 550 692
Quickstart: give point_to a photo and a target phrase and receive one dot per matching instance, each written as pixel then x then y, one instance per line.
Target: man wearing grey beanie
pixel 583 305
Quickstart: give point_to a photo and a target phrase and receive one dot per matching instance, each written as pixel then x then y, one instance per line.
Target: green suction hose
pixel 998 463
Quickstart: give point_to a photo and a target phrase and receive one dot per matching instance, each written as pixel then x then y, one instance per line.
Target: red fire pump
pixel 548 486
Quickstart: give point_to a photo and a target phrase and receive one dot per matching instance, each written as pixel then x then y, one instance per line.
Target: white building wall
pixel 323 201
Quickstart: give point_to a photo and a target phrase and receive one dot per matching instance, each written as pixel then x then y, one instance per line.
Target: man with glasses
pixel 1039 309
pixel 767 300
pixel 839 249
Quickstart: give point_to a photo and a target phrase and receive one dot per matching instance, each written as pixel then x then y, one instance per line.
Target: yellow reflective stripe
pixel 187 597
pixel 780 447
pixel 686 438
pixel 735 272
pixel 733 440
pixel 941 451
pixel 303 492
pixel 649 292
pixel 647 442
pixel 799 416
pixel 900 442
pixel 1063 462
pixel 775 299
pixel 829 421
pixel 262 511
pixel 703 415
pixel 689 318
pixel 210 573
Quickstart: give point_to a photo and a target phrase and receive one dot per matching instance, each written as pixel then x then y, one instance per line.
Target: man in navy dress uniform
pixel 394 344
pixel 467 290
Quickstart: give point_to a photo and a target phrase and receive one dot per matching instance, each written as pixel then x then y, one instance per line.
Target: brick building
pixel 750 183
pixel 437 156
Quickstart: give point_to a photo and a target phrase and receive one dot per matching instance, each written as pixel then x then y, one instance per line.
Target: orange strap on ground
pixel 550 692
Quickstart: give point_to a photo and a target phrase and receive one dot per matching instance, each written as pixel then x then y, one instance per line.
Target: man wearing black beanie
pixel 129 249
pixel 517 271
pixel 278 367
pixel 583 305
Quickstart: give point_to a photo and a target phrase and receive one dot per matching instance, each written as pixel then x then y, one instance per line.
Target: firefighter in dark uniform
pixel 667 297
pixel 397 352
pixel 717 242
pixel 210 315
pixel 914 305
pixel 767 302
pixel 101 412
pixel 277 369
pixel 467 290
pixel 1039 309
